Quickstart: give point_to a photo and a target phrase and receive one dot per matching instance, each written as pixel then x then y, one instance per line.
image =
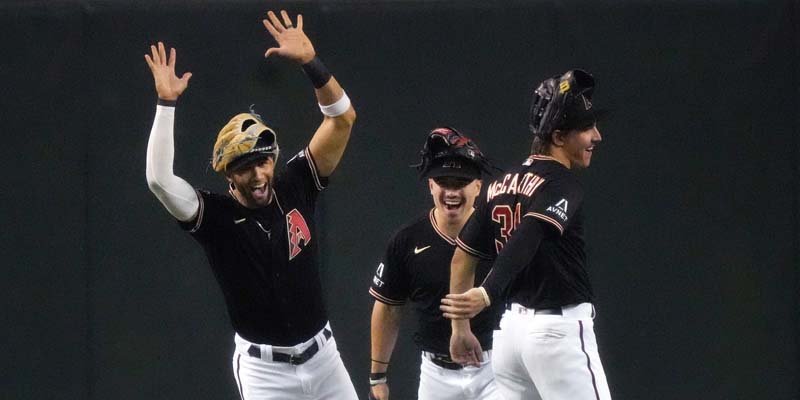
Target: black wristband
pixel 317 72
pixel 167 103
pixel 377 375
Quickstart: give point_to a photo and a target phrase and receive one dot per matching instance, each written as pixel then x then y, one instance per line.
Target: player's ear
pixel 430 185
pixel 557 137
pixel 479 184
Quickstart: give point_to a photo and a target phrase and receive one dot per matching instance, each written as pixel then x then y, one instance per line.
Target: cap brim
pixel 247 159
pixel 464 170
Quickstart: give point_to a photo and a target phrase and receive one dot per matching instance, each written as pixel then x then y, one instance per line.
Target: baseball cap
pixel 263 149
pixel 456 167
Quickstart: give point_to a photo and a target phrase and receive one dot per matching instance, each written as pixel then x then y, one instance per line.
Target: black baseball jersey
pixel 416 267
pixel 265 259
pixel 543 189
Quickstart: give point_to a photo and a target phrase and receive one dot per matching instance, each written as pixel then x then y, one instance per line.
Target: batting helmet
pixel 243 139
pixel 564 103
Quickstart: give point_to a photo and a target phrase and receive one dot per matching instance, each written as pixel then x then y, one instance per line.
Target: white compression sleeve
pixel 177 195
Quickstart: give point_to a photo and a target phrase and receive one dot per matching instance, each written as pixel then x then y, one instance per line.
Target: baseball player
pixel 416 267
pixel 260 237
pixel 530 221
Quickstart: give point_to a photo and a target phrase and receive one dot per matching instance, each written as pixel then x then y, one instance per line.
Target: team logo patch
pixel 560 209
pixel 586 103
pixel 378 275
pixel 298 232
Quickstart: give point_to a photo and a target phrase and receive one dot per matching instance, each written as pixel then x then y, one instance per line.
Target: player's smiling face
pixel 576 147
pixel 454 197
pixel 252 183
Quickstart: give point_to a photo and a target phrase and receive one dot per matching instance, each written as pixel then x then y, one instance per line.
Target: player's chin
pixel 584 160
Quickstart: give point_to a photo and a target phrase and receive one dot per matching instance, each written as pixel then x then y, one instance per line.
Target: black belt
pixel 294 359
pixel 548 311
pixel 542 311
pixel 444 361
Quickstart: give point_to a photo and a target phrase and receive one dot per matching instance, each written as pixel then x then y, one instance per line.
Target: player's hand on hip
pixel 465 348
pixel 168 85
pixel 463 306
pixel 379 392
pixel 292 41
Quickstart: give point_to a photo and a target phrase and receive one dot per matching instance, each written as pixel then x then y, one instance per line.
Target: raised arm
pixel 329 141
pixel 177 195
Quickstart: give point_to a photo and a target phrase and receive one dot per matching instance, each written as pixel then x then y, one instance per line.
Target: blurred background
pixel 693 207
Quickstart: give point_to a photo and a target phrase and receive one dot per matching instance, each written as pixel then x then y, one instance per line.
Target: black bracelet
pixel 379 362
pixel 317 72
pixel 377 375
pixel 167 103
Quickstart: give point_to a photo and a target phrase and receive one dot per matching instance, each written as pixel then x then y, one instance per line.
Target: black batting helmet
pixel 563 102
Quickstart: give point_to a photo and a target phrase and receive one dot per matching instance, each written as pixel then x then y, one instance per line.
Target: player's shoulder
pixel 413 227
pixel 552 170
pixel 218 198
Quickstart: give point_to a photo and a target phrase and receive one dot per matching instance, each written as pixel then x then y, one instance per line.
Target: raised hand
pixel 168 85
pixel 292 41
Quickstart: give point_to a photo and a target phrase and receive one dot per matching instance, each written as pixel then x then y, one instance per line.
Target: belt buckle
pixel 295 359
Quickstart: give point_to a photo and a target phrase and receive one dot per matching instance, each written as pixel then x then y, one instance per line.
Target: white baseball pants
pixel 548 357
pixel 323 377
pixel 469 383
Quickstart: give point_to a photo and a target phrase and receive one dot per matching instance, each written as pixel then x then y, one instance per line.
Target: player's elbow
pixel 154 185
pixel 346 120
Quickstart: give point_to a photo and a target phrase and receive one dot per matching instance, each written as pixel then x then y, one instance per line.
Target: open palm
pixel 168 85
pixel 292 41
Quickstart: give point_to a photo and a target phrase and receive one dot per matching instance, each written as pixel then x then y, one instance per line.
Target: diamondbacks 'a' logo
pixel 298 232
pixel 586 103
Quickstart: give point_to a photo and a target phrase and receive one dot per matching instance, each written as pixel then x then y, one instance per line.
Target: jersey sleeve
pixel 557 202
pixel 210 216
pixel 302 175
pixel 391 282
pixel 514 257
pixel 475 237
